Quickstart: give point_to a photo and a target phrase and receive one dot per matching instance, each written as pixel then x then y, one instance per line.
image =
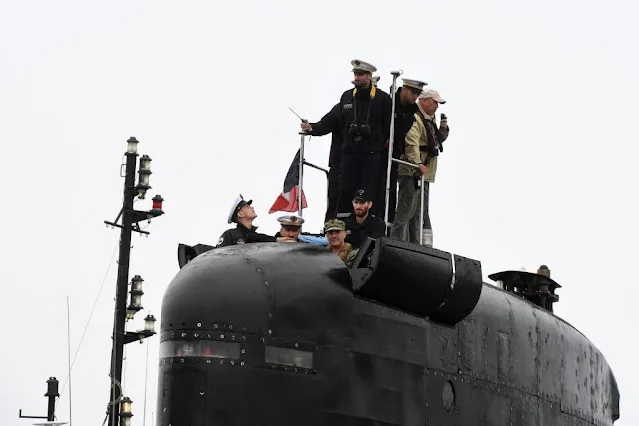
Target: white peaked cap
pixel 237 205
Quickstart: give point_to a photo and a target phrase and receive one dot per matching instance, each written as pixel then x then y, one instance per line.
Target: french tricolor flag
pixel 287 201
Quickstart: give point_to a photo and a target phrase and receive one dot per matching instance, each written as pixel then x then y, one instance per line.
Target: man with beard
pixel 362 223
pixel 331 123
pixel 243 214
pixel 405 110
pixel 364 118
pixel 423 145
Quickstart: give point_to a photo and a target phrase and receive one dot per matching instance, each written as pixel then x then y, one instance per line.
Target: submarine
pixel 276 334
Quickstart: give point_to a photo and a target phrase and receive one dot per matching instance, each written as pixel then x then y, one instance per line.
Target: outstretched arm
pixel 327 124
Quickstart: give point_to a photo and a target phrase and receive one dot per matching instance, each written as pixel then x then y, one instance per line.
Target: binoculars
pixel 358 131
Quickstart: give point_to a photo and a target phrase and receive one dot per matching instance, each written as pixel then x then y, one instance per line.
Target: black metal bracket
pixel 306 163
pixel 30 417
pixel 130 337
pixel 138 216
pixel 136 228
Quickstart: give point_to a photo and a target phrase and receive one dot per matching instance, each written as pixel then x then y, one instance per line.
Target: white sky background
pixel 539 166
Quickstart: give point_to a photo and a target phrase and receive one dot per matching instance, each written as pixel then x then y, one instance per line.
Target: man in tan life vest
pixel 423 145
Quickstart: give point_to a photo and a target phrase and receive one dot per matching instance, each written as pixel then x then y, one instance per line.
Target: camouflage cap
pixel 334 225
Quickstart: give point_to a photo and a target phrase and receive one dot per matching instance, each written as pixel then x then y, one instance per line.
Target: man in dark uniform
pixel 405 110
pixel 362 223
pixel 243 214
pixel 364 116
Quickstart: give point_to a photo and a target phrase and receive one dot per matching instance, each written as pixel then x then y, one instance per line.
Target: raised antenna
pixel 302 119
pixel 69 354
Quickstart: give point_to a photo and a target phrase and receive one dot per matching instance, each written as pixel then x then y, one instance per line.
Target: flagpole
pixel 301 174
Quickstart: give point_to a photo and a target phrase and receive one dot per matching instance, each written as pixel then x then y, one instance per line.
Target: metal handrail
pixel 306 163
pixel 301 173
pixel 421 199
pixel 303 163
pixel 391 142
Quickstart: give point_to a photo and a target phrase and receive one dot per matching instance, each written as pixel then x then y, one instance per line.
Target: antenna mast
pixel 69 352
pixel 119 407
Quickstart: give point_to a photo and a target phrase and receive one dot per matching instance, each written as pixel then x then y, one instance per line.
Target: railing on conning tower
pixel 303 163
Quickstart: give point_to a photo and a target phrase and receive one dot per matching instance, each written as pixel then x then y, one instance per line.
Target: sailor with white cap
pixel 364 115
pixel 362 67
pixel 405 109
pixel 237 205
pixel 415 84
pixel 423 145
pixel 243 214
pixel 291 220
pixel 290 226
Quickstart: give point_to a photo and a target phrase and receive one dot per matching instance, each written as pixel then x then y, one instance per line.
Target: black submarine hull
pixel 285 334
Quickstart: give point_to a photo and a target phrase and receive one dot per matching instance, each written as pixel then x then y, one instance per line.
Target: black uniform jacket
pixel 373 227
pixel 331 123
pixel 241 234
pixel 361 108
pixel 404 118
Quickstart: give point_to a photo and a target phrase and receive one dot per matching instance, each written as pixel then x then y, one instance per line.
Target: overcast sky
pixel 539 166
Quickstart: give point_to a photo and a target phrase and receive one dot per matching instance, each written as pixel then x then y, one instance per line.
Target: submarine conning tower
pixel 538 288
pixel 419 280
